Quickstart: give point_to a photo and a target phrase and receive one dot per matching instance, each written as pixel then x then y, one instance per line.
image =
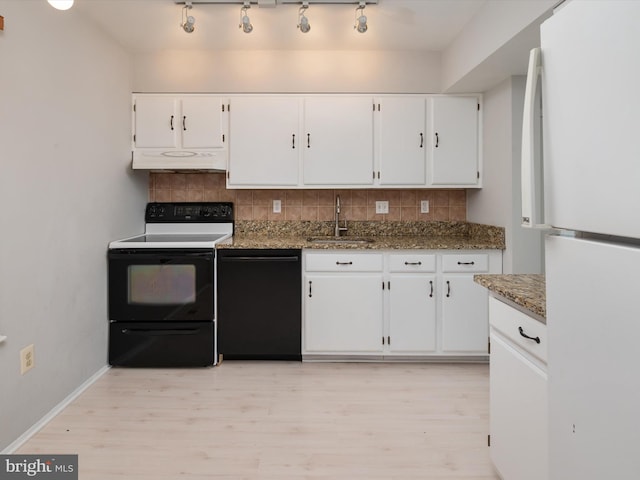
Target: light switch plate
pixel 382 207
pixel 424 206
pixel 277 206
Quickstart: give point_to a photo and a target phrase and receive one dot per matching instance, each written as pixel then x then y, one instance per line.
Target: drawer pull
pixel 344 263
pixel 535 339
pixel 413 263
pixel 466 263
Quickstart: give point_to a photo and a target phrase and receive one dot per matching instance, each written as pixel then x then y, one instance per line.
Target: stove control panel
pixel 189 212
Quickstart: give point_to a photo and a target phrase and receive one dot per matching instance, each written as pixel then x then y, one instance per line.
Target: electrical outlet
pixel 424 206
pixel 277 206
pixel 382 207
pixel 27 360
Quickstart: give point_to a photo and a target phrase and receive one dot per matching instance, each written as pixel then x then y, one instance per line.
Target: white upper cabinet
pixel 454 141
pixel 314 141
pixel 201 123
pixel 265 141
pixel 338 141
pixel 179 131
pixel 155 121
pixel 401 134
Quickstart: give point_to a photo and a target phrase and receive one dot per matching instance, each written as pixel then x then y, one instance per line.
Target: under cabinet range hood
pixel 179 132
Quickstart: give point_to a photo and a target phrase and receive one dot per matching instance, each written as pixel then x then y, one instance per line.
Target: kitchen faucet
pixel 338 228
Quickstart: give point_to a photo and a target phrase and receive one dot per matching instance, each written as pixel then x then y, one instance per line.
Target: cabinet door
pixel 201 122
pixel 338 141
pixel 465 315
pixel 156 122
pixel 518 414
pixel 343 313
pixel 412 313
pixel 402 141
pixel 265 143
pixel 454 139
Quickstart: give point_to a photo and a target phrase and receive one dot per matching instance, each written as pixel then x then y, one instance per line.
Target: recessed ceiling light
pixel 61 4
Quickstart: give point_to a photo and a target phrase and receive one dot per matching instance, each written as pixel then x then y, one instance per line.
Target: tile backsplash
pixel 357 204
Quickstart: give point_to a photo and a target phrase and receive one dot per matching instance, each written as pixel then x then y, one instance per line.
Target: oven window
pixel 162 284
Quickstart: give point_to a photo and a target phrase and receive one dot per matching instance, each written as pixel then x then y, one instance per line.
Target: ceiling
pixel 150 25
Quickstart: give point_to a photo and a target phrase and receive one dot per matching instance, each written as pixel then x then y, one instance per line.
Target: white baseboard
pixel 36 427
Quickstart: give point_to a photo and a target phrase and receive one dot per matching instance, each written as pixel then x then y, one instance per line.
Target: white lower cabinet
pixel 465 308
pixel 411 326
pixel 518 394
pixel 395 304
pixel 343 303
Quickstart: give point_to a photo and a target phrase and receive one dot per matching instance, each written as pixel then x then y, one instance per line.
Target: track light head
pixel 188 21
pixel 361 18
pixel 245 22
pixel 303 21
pixel 61 4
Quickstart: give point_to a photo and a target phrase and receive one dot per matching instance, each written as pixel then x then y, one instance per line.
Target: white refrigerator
pixel 588 72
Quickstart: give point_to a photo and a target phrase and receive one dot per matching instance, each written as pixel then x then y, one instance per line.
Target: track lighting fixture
pixel 188 21
pixel 361 19
pixel 303 21
pixel 61 4
pixel 245 23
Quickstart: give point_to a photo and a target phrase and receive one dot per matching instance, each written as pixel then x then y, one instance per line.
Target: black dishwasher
pixel 259 304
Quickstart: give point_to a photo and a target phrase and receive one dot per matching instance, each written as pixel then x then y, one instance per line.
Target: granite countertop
pixel 384 235
pixel 524 290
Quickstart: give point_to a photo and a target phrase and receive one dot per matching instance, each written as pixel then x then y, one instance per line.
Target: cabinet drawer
pixel 406 262
pixel 476 262
pixel 508 321
pixel 343 262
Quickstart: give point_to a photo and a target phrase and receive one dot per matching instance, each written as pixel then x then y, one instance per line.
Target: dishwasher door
pixel 259 304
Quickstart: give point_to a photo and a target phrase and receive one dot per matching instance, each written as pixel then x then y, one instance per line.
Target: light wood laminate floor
pixel 279 420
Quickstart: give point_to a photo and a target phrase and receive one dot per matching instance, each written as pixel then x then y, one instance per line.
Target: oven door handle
pixel 148 332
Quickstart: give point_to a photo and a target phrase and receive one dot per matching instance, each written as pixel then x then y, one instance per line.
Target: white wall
pixel 498 23
pixel 65 191
pixel 498 203
pixel 291 71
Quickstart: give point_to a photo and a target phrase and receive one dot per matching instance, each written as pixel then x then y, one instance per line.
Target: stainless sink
pixel 340 240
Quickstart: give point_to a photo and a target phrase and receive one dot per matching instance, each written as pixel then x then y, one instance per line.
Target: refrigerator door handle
pixel 531 217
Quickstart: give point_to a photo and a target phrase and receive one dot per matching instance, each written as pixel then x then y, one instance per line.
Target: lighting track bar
pixel 280 2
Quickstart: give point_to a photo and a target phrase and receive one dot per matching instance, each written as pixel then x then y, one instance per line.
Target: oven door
pixel 151 285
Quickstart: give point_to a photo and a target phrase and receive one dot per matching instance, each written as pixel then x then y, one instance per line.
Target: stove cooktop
pixel 182 225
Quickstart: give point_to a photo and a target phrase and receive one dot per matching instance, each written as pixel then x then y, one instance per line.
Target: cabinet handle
pixel 421 140
pixel 344 263
pixel 448 288
pixel 310 289
pixel 437 140
pixel 535 339
pixel 431 288
pixel 413 263
pixel 466 263
pixel 184 124
pixel 293 141
pixel 171 122
pixel 308 140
